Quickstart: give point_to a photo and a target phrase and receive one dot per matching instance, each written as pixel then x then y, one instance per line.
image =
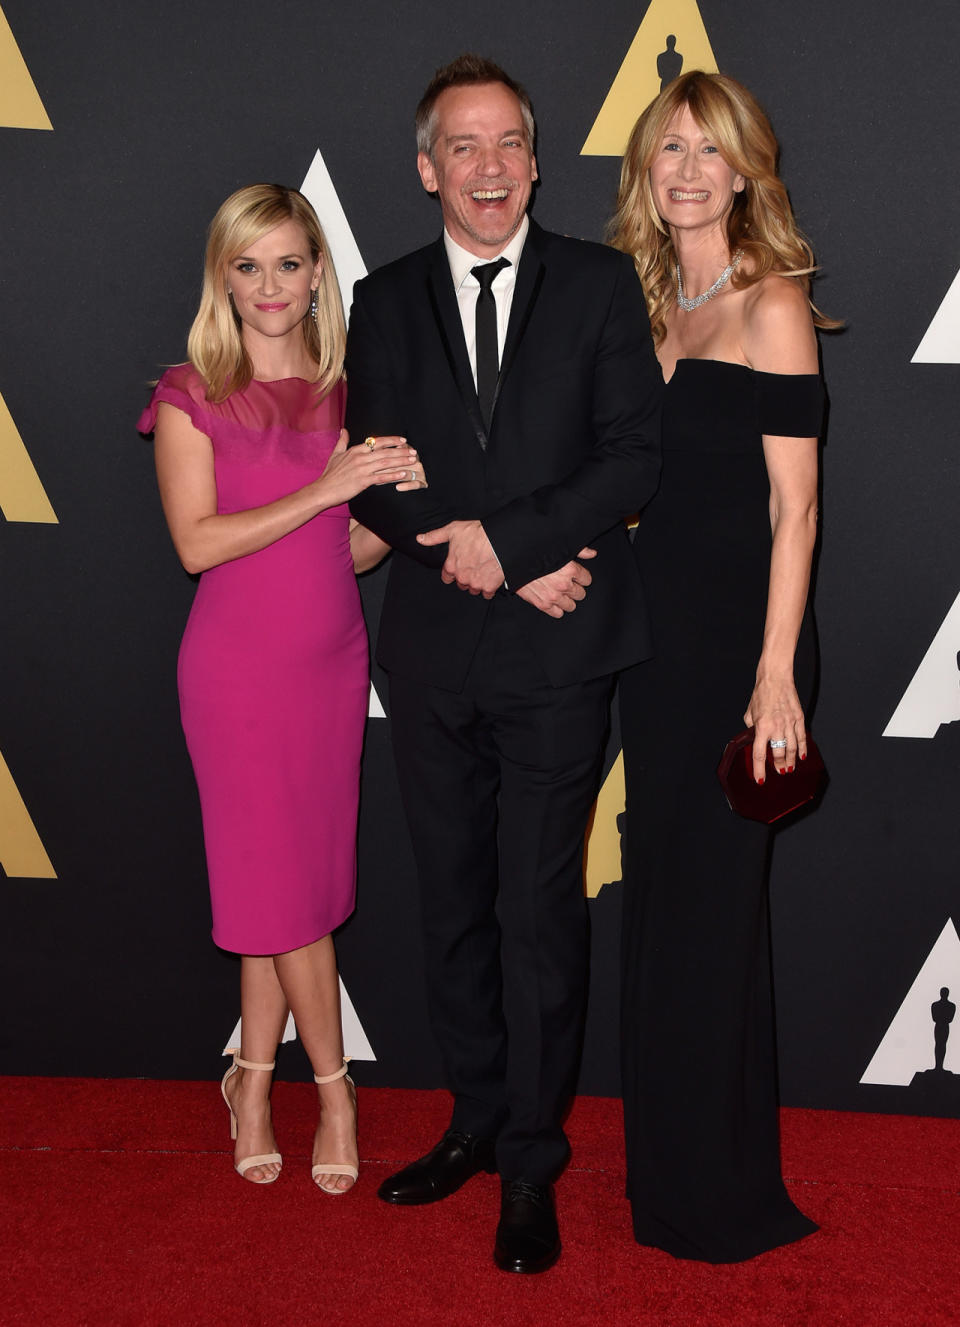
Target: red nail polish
pixel 759 782
pixel 781 770
pixel 789 769
pixel 803 755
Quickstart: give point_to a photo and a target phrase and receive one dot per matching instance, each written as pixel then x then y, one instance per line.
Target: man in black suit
pixel 531 392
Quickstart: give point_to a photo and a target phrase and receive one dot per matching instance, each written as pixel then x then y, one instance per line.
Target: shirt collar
pixel 461 261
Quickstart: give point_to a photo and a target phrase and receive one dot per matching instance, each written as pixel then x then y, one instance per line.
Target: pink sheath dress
pixel 273 676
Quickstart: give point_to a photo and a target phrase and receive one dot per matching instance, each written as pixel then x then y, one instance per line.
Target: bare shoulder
pixel 778 332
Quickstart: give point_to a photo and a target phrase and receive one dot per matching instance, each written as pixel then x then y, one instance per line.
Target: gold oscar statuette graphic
pixel 20 104
pixel 21 852
pixel 602 855
pixel 671 40
pixel 22 497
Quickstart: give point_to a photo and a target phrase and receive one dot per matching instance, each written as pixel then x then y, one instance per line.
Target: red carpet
pixel 120 1207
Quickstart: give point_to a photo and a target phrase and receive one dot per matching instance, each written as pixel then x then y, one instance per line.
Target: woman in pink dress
pixel 255 476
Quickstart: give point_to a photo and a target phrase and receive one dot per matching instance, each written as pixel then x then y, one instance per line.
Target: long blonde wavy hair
pixel 215 347
pixel 760 221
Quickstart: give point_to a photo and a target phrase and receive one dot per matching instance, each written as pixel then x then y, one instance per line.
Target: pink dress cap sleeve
pixel 180 386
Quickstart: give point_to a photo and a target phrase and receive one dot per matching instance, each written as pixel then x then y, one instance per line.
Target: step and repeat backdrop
pixel 122 127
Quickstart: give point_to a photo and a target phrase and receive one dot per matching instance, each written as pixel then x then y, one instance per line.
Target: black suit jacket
pixel 573 448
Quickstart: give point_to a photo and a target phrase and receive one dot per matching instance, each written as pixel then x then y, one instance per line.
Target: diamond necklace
pixel 688 305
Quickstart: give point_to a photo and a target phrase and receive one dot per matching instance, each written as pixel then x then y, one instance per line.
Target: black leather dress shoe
pixel 455 1159
pixel 527 1237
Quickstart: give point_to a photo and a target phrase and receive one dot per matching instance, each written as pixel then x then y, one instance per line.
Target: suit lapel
pixel 446 311
pixel 529 280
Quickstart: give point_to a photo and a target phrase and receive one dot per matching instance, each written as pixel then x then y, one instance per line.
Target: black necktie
pixel 488 356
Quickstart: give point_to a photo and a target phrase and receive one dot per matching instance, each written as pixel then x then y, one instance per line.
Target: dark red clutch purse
pixel 779 794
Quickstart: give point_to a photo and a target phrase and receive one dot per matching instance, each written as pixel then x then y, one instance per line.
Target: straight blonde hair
pixel 215 347
pixel 760 221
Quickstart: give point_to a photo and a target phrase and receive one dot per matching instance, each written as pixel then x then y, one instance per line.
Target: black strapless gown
pixel 698 1050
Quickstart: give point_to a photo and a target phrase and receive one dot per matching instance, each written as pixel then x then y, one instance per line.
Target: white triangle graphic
pixel 933 696
pixel 907 1046
pixel 319 188
pixel 941 341
pixel 355 1042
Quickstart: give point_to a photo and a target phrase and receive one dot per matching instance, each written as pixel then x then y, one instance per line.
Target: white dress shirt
pixel 466 286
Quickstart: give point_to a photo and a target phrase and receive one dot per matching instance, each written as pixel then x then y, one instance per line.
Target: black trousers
pixel 497 783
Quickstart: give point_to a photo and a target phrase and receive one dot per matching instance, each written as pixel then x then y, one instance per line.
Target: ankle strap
pixel 252 1064
pixel 332 1078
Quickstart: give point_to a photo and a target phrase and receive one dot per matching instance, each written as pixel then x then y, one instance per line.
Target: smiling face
pixel 272 281
pixel 692 185
pixel 482 165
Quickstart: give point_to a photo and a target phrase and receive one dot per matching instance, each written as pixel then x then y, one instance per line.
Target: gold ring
pixel 370 442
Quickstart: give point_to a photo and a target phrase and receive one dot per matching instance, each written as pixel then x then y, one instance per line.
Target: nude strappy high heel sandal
pixel 336 1167
pixel 268 1158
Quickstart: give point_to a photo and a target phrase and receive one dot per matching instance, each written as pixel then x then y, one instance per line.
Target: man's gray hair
pixel 462 72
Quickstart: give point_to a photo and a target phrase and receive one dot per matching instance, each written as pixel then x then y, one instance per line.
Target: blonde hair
pixel 215 347
pixel 760 221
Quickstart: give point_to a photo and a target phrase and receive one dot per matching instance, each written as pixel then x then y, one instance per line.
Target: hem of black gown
pixel 795 1227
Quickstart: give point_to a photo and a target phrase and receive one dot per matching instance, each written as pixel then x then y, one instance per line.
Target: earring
pixel 313 303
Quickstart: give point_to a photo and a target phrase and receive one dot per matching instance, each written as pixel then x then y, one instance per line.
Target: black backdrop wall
pixel 158 112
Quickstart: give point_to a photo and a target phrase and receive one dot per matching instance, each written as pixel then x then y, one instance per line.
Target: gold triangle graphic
pixel 21 494
pixel 20 104
pixel 602 853
pixel 21 852
pixel 638 81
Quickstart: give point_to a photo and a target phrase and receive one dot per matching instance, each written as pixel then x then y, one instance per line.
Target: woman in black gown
pixel 725 551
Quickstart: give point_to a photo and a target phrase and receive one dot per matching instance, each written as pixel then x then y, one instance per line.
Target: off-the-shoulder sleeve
pixel 180 386
pixel 790 405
